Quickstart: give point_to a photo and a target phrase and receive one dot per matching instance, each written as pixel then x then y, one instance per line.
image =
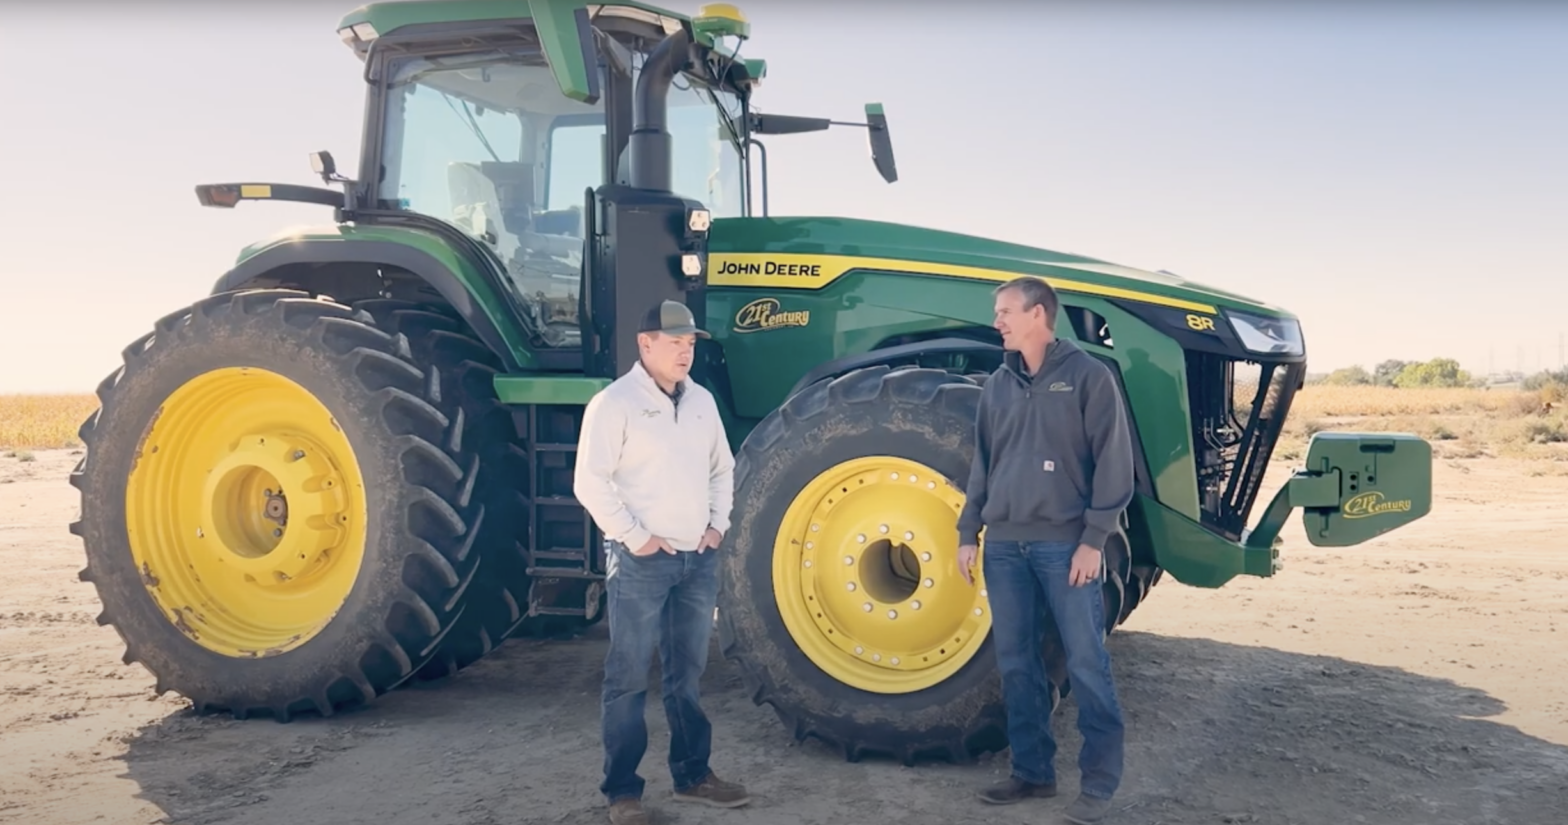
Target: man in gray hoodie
pixel 1052 472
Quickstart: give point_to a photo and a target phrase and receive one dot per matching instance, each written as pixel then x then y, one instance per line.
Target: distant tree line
pixel 1438 372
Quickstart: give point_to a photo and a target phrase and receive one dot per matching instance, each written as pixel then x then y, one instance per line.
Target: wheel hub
pixel 276 509
pixel 246 502
pixel 867 578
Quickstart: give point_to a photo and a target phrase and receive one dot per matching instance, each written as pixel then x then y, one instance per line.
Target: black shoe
pixel 1013 789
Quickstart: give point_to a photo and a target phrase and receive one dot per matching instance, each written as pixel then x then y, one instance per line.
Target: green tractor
pixel 349 467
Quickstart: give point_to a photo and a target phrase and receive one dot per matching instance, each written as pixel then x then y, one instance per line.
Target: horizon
pixel 1365 167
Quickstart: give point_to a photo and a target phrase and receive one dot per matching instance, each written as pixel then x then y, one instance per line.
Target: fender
pixel 892 356
pixel 304 259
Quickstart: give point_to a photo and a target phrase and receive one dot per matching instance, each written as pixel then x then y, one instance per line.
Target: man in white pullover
pixel 655 472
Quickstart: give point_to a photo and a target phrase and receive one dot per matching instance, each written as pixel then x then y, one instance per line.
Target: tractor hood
pixel 809 252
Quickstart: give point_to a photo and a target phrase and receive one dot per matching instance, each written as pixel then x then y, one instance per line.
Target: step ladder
pixel 565 550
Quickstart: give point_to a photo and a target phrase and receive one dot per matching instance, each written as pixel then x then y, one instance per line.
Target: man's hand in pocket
pixel 654 545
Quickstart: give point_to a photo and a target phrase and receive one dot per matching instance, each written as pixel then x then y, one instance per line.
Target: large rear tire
pixel 842 601
pixel 277 512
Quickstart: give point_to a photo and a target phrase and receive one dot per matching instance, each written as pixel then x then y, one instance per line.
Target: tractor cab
pixel 553 141
pixel 487 141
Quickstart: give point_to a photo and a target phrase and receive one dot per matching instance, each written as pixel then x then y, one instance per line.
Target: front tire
pixel 842 601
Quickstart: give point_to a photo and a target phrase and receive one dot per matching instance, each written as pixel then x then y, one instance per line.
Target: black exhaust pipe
pixel 650 140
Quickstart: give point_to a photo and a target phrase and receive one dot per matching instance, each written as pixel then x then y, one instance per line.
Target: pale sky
pixel 1396 173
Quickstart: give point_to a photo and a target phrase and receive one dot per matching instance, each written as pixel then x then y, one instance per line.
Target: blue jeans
pixel 665 602
pixel 1024 580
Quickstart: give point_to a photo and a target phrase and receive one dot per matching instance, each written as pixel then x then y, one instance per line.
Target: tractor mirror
pixel 881 142
pixel 322 164
pixel 876 133
pixel 325 166
pixel 1358 486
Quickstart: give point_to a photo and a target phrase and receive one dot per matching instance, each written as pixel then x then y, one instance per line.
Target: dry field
pixel 1416 680
pixel 1461 423
pixel 33 422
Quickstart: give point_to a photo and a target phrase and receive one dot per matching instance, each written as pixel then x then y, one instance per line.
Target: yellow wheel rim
pixel 246 513
pixel 866 578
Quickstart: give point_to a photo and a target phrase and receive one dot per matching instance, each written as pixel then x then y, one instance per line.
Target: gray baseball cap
pixel 671 318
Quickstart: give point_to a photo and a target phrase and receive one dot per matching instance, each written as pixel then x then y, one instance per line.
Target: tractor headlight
pixel 698 220
pixel 691 265
pixel 358 33
pixel 1267 336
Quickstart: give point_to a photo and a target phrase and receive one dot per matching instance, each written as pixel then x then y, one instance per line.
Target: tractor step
pixel 561 611
pixel 558 554
pixel 566 572
pixel 563 573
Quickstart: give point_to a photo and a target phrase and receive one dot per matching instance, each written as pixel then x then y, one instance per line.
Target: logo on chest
pixel 1050 466
pixel 1059 386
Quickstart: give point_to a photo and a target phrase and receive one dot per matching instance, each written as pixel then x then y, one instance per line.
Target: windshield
pixel 469 140
pixel 705 156
pixel 488 143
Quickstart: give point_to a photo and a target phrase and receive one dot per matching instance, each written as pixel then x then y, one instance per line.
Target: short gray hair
pixel 1036 292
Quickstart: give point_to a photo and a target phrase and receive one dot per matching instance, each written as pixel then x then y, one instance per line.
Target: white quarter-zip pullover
pixel 649 465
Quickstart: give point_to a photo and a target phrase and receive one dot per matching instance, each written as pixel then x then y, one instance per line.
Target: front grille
pixel 1238 411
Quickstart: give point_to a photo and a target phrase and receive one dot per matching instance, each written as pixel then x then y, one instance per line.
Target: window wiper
pixel 473 125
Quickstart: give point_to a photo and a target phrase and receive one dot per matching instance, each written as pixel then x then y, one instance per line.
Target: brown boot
pixel 716 792
pixel 1013 789
pixel 628 812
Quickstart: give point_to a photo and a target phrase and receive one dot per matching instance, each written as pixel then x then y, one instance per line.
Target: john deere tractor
pixel 349 466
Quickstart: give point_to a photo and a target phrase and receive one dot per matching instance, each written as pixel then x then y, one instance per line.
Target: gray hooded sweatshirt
pixel 1053 457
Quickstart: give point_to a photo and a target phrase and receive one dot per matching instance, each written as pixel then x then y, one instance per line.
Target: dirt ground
pixel 1418 680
